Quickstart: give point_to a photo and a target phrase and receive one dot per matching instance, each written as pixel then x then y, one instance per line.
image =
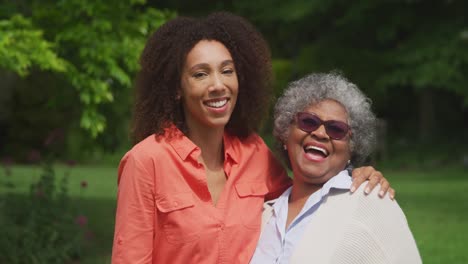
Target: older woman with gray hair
pixel 324 124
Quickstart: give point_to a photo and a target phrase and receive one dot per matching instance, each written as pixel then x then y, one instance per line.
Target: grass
pixel 96 202
pixel 434 202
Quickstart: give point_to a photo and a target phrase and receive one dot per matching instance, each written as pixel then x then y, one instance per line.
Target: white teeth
pixel 216 104
pixel 324 151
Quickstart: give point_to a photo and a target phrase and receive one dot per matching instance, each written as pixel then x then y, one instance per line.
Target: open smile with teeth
pixel 316 150
pixel 217 103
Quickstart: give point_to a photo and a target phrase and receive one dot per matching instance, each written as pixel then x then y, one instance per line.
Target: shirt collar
pixel 183 146
pixel 281 201
pixel 229 151
pixel 341 181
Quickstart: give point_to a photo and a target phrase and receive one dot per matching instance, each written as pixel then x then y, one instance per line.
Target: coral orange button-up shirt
pixel 164 209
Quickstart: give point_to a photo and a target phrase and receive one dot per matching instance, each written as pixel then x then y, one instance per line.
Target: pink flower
pixel 81 220
pixel 84 184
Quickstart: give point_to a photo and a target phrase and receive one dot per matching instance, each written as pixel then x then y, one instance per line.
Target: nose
pixel 217 83
pixel 320 133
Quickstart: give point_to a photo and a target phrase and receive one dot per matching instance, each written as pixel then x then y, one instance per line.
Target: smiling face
pixel 315 157
pixel 209 86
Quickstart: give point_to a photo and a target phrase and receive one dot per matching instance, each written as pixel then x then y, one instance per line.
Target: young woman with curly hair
pixel 192 188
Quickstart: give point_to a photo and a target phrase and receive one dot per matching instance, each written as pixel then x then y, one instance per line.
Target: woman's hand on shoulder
pixel 369 173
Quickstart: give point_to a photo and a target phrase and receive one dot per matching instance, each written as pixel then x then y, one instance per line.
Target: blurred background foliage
pixel 69 65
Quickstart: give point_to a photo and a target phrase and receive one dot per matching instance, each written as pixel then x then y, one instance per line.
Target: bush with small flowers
pixel 44 226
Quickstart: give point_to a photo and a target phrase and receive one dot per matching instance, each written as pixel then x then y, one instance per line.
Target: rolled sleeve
pixel 135 215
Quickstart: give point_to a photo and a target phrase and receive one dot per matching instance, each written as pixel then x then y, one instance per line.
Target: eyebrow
pixel 206 65
pixel 227 62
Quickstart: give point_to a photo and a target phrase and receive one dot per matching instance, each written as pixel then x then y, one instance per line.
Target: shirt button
pixel 221 226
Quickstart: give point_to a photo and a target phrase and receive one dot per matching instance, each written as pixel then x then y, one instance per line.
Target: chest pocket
pixel 175 202
pixel 251 198
pixel 176 218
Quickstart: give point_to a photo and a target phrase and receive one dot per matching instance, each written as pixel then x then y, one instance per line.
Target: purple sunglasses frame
pixel 301 116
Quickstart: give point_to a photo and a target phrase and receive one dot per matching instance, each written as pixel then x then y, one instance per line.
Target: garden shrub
pixel 40 227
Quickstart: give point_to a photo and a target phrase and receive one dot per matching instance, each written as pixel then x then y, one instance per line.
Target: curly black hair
pixel 157 105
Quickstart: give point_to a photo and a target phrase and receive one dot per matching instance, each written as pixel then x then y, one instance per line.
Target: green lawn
pixel 435 203
pixel 96 202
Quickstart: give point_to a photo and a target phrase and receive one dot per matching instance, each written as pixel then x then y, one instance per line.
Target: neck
pixel 210 141
pixel 300 191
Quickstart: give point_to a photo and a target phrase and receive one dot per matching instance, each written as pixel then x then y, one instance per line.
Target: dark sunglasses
pixel 308 122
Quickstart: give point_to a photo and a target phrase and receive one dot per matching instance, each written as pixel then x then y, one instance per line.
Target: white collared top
pixel 276 243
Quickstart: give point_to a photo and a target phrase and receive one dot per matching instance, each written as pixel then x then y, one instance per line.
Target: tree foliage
pixel 418 44
pixel 409 53
pixel 22 46
pixel 409 56
pixel 95 45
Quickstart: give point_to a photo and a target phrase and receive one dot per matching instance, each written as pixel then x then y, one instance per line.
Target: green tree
pixel 22 46
pixel 94 45
pixel 391 49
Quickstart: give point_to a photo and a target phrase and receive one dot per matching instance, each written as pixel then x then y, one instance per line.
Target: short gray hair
pixel 317 87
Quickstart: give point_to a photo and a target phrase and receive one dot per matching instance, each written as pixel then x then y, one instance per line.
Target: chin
pixel 219 122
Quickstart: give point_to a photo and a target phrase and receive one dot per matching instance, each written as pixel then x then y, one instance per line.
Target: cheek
pixel 191 88
pixel 235 89
pixel 294 143
pixel 343 150
pixel 233 83
pixel 185 89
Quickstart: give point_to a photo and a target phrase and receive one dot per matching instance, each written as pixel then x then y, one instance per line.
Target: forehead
pixel 208 51
pixel 328 109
